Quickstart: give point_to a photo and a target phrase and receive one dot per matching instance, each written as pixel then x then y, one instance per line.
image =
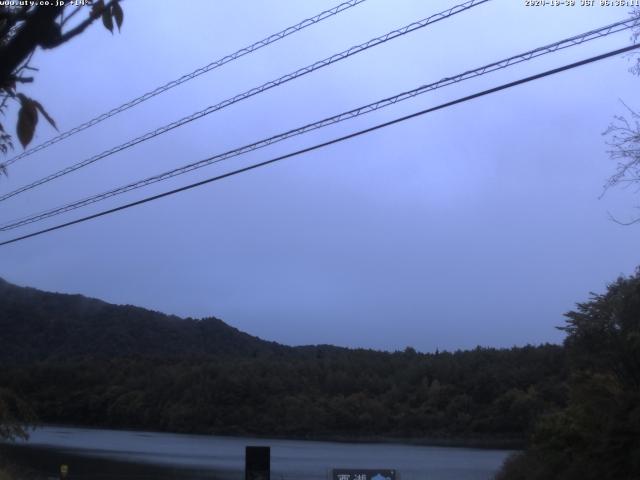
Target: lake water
pixel 131 455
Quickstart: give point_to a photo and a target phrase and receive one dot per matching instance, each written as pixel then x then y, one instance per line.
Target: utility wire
pixel 513 60
pixel 189 76
pixel 254 91
pixel 330 142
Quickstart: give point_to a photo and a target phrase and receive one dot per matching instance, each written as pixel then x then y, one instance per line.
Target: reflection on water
pixel 110 454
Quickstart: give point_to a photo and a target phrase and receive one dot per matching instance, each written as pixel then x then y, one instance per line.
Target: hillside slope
pixel 38 326
pixel 82 361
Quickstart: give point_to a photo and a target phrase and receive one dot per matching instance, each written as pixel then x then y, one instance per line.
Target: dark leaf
pixel 107 20
pixel 27 120
pixel 118 14
pixel 46 115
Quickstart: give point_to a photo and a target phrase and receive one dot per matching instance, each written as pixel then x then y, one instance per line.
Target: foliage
pixel 598 435
pixel 351 393
pixel 15 416
pixel 83 361
pixel 23 28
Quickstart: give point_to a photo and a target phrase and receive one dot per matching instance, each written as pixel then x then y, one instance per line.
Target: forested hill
pixel 82 361
pixel 37 326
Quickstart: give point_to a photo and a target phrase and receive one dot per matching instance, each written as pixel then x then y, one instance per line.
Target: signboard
pixel 362 474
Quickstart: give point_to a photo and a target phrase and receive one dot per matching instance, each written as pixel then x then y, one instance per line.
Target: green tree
pixel 598 435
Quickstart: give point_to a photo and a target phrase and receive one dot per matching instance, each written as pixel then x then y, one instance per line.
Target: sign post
pixel 257 465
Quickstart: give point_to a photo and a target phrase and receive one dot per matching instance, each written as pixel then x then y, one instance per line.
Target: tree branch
pixel 81 27
pixel 70 16
pixel 22 79
pixel 38 29
pixel 619 222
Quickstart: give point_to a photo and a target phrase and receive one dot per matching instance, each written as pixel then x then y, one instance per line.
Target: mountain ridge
pixel 83 361
pixel 38 325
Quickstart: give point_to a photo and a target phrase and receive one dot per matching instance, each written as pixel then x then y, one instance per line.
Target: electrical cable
pixel 189 76
pixel 330 142
pixel 513 60
pixel 250 93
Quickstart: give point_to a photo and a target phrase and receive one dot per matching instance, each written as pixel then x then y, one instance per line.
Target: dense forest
pixel 70 359
pixel 82 361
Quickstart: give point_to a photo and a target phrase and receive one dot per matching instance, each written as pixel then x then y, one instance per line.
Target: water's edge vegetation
pixel 80 361
pixel 85 362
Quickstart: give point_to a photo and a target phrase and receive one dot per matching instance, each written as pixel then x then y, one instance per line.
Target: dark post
pixel 257 464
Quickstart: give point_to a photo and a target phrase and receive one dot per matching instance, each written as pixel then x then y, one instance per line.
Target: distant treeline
pixel 313 392
pixel 81 361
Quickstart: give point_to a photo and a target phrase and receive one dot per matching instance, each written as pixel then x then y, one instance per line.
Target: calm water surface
pixel 131 455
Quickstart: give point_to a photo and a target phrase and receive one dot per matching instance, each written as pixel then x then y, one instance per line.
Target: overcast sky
pixel 475 225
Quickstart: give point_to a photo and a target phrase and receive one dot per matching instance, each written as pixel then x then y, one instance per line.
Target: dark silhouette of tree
pixel 15 416
pixel 25 28
pixel 598 435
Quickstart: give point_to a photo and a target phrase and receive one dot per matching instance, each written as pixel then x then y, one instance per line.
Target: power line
pixel 254 91
pixel 330 142
pixel 513 60
pixel 189 76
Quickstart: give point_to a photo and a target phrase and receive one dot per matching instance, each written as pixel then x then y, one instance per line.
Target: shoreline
pixel 486 442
